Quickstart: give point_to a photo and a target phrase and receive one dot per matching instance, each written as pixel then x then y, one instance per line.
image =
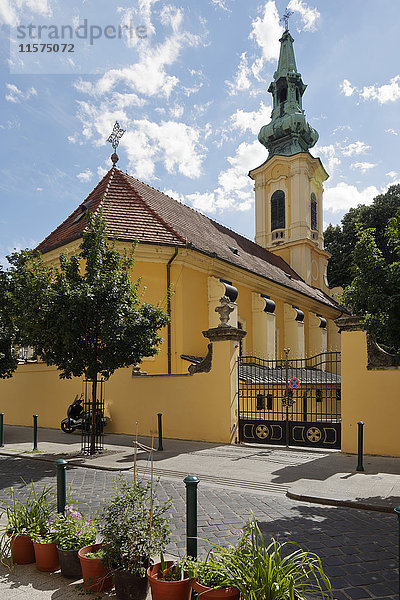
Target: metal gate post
pixel 286 351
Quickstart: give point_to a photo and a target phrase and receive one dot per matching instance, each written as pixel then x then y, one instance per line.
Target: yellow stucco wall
pixel 370 396
pixel 198 407
pixel 191 273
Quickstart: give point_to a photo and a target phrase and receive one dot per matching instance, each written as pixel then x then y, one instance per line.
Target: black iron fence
pixel 291 401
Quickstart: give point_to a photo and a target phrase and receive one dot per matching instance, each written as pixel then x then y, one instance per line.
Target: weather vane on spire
pixel 114 138
pixel 286 16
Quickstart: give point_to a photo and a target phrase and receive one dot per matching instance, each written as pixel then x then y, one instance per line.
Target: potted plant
pixel 134 528
pixel 46 554
pixel 210 578
pixel 96 576
pixel 277 571
pixel 22 521
pixel 169 580
pixel 72 531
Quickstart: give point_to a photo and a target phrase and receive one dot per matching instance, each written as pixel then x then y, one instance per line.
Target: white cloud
pixel 309 15
pixel 148 77
pixel 12 10
pixel 85 175
pixel 343 196
pixel 389 92
pixel 241 80
pixel 392 131
pixel 341 128
pixel 235 188
pixel 394 177
pixel 101 171
pixel 177 143
pixel 14 94
pixel 176 111
pixel 362 166
pixel 220 4
pixel 346 88
pixel 355 148
pixel 146 143
pixel 266 31
pixel 175 195
pixel 330 154
pixel 39 189
pixel 252 120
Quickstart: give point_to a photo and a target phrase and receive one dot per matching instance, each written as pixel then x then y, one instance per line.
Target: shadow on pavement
pixel 321 468
pixel 357 550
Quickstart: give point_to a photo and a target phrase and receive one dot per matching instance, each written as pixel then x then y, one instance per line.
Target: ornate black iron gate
pixel 292 402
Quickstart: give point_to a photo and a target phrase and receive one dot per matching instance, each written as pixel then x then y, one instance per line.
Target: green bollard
pixel 397 511
pixel 191 482
pixel 360 446
pixel 35 433
pixel 61 466
pixel 160 446
pixel 1 430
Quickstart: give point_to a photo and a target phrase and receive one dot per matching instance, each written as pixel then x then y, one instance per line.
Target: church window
pixel 278 210
pixel 314 221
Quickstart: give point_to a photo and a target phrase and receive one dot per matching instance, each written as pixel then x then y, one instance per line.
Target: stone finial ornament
pixel 224 310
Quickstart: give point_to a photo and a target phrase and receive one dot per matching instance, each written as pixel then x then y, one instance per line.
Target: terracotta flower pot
pixel 22 550
pixel 46 557
pixel 95 575
pixel 129 586
pixel 168 590
pixel 70 563
pixel 229 593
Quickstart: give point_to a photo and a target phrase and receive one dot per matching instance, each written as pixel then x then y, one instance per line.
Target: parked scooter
pixel 77 418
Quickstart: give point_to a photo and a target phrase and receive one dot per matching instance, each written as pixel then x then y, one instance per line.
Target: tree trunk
pixel 94 414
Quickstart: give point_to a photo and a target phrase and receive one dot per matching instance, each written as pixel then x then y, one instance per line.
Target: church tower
pixel 289 185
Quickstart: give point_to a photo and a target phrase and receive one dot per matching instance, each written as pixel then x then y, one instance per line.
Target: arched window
pixel 278 210
pixel 314 220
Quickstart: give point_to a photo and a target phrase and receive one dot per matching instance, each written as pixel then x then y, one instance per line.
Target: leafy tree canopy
pixel 340 240
pixel 85 316
pixel 374 293
pixel 8 360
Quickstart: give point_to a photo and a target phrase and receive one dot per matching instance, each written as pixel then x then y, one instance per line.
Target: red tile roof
pixel 134 210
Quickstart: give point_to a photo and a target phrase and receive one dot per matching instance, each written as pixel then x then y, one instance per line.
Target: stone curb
pixel 344 503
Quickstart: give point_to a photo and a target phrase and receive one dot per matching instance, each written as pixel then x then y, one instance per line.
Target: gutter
pixel 169 330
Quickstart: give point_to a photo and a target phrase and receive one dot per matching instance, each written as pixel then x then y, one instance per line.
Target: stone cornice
pixel 223 334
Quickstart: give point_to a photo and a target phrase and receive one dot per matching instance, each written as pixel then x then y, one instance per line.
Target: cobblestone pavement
pixel 358 548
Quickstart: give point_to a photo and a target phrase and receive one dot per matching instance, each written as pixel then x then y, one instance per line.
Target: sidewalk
pixel 324 477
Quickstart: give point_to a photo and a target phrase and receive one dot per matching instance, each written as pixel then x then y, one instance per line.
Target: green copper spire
pixel 288 132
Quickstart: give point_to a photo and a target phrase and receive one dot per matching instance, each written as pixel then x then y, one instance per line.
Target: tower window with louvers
pixel 278 210
pixel 314 221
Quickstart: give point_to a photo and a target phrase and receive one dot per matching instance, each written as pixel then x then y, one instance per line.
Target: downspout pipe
pixel 169 329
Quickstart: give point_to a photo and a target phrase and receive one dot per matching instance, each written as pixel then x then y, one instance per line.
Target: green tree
pixel 86 317
pixel 374 293
pixel 340 240
pixel 8 359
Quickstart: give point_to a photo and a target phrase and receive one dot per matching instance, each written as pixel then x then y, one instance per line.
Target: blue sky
pixel 190 87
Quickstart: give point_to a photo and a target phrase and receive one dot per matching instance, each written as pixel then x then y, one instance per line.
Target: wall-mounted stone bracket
pixel 205 365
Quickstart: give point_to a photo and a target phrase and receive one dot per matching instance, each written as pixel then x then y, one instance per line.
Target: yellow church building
pixel 238 387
